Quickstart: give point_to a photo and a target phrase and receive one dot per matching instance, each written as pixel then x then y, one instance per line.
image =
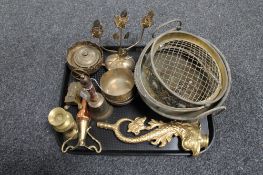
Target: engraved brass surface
pixel 85 55
pixel 161 133
pixel 117 85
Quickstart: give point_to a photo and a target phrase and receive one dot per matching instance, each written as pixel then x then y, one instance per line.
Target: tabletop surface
pixel 34 36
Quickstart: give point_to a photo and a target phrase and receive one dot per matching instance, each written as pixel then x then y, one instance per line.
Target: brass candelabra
pixel 120 58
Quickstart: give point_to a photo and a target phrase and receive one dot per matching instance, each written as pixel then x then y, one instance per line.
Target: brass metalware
pixel 86 56
pixel 170 108
pixel 186 68
pixel 72 97
pixel 99 108
pixel 121 20
pixel 117 86
pixel 161 133
pixel 83 121
pixel 120 57
pixel 63 122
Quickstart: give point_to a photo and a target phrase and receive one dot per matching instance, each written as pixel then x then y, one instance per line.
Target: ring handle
pixel 212 111
pixel 177 28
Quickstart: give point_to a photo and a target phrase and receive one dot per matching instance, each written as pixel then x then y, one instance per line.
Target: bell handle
pixel 177 28
pixel 96 82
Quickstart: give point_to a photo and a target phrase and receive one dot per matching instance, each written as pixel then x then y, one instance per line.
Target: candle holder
pixel 120 57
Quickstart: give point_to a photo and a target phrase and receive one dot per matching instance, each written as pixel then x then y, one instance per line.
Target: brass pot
pixel 117 85
pixel 85 56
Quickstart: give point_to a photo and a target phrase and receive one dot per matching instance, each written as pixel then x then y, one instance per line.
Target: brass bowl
pixel 117 86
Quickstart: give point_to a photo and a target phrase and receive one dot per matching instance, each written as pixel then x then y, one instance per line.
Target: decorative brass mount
pixel 161 133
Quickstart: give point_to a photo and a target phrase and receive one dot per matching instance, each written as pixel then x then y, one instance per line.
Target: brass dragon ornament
pixel 161 133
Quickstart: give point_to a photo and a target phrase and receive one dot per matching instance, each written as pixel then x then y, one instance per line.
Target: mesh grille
pixel 187 70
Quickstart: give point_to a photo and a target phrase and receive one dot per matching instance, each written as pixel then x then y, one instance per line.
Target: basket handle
pixel 177 28
pixel 212 111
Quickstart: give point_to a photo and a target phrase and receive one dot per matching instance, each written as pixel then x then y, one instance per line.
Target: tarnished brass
pixel 97 29
pixel 99 108
pixel 121 20
pixel 72 97
pixel 147 21
pixel 158 103
pixel 63 122
pixel 120 60
pixel 120 57
pixel 195 74
pixel 86 56
pixel 83 121
pixel 161 133
pixel 117 86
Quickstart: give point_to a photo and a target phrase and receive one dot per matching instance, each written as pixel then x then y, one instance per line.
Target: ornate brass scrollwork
pixel 161 133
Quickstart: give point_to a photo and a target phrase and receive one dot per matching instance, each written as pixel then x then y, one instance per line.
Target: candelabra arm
pixel 108 50
pixel 139 40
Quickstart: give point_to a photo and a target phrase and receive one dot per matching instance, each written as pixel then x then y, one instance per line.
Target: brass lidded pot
pixel 86 56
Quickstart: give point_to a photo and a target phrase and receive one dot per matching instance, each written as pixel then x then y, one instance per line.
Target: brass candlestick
pixel 120 58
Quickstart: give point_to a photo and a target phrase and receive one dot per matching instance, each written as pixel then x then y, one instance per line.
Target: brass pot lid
pixel 86 55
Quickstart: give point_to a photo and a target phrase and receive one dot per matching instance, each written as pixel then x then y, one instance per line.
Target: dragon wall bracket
pixel 161 133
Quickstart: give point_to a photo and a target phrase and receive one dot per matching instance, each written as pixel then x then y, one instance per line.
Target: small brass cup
pixel 117 86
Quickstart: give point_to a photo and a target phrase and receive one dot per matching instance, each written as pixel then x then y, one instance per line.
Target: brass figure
pixel 161 133
pixel 83 121
pixel 73 97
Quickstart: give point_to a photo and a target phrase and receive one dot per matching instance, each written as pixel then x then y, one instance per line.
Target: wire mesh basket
pixel 188 69
pixel 156 102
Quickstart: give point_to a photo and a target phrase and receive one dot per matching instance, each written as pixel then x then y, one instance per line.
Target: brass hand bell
pixel 99 108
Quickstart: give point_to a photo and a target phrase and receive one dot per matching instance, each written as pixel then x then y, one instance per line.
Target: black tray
pixel 137 108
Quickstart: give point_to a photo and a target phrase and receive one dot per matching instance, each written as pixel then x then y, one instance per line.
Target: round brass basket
pixel 178 110
pixel 187 68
